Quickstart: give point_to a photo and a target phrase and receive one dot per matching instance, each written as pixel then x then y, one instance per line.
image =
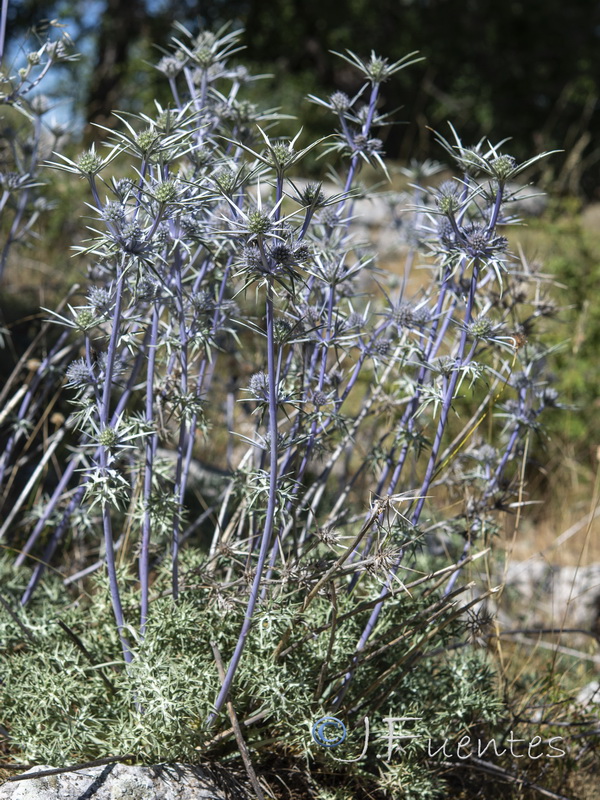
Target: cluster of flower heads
pixel 234 316
pixel 25 146
pixel 183 233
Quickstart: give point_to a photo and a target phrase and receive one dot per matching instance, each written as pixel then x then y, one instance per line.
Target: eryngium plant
pixel 262 446
pixel 28 131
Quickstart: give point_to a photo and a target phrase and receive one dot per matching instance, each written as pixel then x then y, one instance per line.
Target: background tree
pixel 525 69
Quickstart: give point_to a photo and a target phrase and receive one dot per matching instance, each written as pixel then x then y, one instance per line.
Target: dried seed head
pixel 478 622
pixel 328 535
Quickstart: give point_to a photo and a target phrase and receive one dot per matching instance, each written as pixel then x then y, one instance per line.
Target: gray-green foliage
pixel 63 705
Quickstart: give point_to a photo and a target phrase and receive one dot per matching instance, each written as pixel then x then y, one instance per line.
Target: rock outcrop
pixel 122 782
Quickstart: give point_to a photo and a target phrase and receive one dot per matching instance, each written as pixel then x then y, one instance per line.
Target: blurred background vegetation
pixel 524 69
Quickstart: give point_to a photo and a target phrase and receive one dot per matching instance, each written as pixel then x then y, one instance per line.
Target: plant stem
pixel 271 506
pixel 103 465
pixel 151 445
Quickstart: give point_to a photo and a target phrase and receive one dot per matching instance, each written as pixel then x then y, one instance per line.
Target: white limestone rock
pixel 122 782
pixel 560 596
pixel 589 696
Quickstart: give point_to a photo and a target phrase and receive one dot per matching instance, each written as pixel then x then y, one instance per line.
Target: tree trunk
pixel 120 26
